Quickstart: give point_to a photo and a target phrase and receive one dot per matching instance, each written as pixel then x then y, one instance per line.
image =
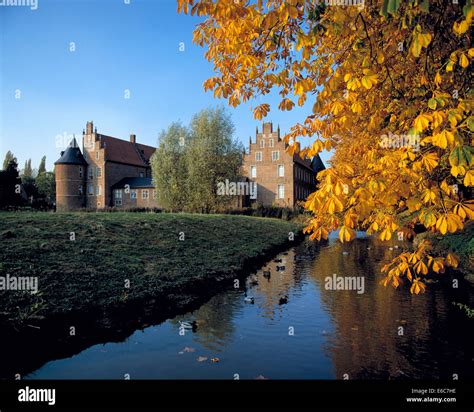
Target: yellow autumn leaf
pixel 460 27
pixel 442 224
pixel 346 234
pixel 452 260
pixel 369 80
pixel 430 161
pixel 386 234
pixel 422 121
pixel 463 61
pixel 469 178
pixel 421 268
pixel 417 287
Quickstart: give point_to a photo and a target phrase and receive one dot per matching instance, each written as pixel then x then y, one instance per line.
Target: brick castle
pixel 111 172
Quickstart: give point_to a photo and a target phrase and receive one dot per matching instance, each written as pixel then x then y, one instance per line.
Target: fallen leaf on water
pixel 201 359
pixel 215 360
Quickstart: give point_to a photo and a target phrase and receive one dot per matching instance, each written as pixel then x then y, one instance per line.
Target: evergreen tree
pixel 27 171
pixel 8 158
pixel 42 166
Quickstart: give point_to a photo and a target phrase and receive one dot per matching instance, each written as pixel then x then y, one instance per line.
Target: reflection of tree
pixel 270 290
pixel 215 320
pixel 366 342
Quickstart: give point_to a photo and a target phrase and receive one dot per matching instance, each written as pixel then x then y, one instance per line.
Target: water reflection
pixel 297 329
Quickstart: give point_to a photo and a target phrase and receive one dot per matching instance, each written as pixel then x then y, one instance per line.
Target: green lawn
pixel 109 248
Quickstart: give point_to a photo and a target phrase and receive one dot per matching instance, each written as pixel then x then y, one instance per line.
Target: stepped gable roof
pixel 123 151
pixel 134 183
pixel 72 155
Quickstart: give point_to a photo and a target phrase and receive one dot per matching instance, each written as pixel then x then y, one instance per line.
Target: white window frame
pixel 90 190
pixel 98 172
pixel 262 143
pixel 118 202
pixel 258 156
pixel 281 170
pixel 118 194
pixel 145 194
pixel 253 171
pixel 275 156
pixel 281 195
pixel 271 143
pixel 81 190
pixel 133 193
pixel 98 190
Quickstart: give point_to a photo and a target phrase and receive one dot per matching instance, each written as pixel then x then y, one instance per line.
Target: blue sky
pixel 118 47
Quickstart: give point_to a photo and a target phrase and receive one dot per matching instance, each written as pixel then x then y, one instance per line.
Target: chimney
pixel 133 138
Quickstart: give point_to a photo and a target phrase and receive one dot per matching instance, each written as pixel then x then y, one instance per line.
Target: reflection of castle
pixel 111 172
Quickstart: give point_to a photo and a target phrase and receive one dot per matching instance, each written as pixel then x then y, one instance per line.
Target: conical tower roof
pixel 72 155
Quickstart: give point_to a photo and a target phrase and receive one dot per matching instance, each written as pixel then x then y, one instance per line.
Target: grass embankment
pixel 109 250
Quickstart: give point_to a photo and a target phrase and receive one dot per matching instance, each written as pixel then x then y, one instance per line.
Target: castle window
pixel 91 173
pixel 276 155
pixel 144 193
pixel 91 190
pixel 118 202
pixel 258 156
pixel 97 155
pixel 80 172
pixel 98 190
pixel 81 189
pixel 253 171
pixel 98 172
pixel 118 194
pixel 141 174
pixel 281 170
pixel 262 143
pixel 133 194
pixel 271 142
pixel 281 191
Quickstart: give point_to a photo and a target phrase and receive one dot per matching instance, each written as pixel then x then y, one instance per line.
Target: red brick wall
pixel 111 172
pixel 68 181
pixel 267 170
pixel 129 203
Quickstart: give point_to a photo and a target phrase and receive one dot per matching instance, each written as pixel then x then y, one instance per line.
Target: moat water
pixel 297 328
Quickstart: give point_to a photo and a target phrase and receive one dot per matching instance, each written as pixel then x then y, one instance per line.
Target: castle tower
pixel 71 174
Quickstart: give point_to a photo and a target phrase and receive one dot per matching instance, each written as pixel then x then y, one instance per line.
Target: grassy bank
pixel 161 256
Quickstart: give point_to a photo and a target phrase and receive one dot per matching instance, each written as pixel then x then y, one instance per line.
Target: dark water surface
pixel 318 334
